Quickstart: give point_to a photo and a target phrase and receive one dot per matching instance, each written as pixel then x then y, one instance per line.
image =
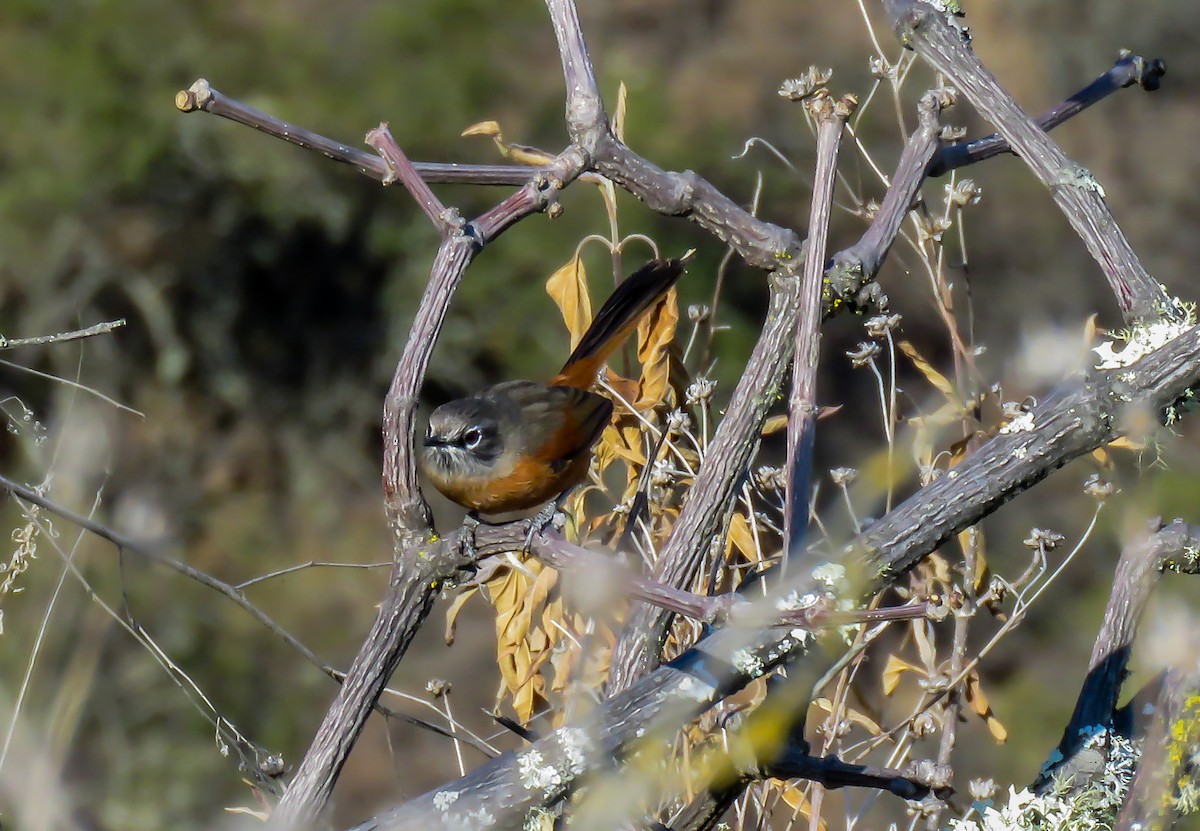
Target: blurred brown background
pixel 268 291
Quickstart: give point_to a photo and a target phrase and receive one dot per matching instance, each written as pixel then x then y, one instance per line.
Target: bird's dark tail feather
pixel 617 318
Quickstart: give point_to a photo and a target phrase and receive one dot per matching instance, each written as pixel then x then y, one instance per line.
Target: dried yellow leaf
pixel 742 538
pixel 774 424
pixel 568 289
pixel 656 333
pixel 483 128
pixel 931 375
pixel 797 801
pixel 851 715
pixel 618 119
pixel 895 667
pixel 977 700
pixel 452 613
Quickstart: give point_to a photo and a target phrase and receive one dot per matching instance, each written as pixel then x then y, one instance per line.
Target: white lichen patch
pixel 946 6
pixel 575 744
pixel 693 689
pixel 832 575
pixel 444 799
pixel 1023 423
pixel 535 774
pixel 794 601
pixel 1092 809
pixel 801 636
pixel 481 818
pixel 1076 176
pixel 747 663
pixel 1141 341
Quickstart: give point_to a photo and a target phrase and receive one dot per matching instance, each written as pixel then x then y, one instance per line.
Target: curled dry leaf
pixel 452 613
pixel 568 289
pixel 850 714
pixel 797 800
pixel 656 336
pixel 896 667
pixel 741 538
pixel 974 537
pixel 931 375
pixel 519 153
pixel 982 707
pixel 519 596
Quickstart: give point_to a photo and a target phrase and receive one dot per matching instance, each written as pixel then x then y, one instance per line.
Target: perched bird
pixel 518 444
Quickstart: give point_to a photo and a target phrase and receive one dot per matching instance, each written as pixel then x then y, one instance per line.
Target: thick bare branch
pixel 946 47
pixel 857 265
pixel 586 119
pixel 802 404
pixel 1166 548
pixel 705 509
pixel 1075 419
pixel 1167 765
pixel 603 571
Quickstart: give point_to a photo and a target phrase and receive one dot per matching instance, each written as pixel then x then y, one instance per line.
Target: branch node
pixel 195 97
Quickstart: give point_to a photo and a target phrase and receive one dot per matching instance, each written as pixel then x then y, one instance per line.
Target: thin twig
pixel 262 578
pixel 1130 69
pixel 202 97
pixel 402 170
pixel 148 553
pixel 78 334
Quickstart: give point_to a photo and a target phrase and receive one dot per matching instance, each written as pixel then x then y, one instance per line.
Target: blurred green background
pixel 268 292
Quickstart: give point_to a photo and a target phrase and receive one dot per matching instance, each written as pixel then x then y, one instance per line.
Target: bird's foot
pixel 542 520
pixel 466 537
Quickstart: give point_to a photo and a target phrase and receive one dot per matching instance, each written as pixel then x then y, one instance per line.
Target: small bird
pixel 519 444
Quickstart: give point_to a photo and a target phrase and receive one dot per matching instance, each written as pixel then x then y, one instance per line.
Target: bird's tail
pixel 617 318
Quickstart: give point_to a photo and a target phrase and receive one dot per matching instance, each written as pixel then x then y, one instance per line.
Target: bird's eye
pixel 472 438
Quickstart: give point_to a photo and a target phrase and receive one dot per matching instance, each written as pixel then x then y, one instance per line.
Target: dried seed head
pixel 1098 488
pixel 865 354
pixel 964 193
pixel 1040 539
pixel 880 326
pixel 843 476
pixel 797 89
pixel 699 390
